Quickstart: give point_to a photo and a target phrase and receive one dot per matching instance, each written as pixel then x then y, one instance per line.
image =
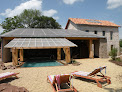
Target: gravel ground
pixel 35 79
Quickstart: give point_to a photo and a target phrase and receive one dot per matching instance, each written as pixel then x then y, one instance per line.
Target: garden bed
pixel 116 62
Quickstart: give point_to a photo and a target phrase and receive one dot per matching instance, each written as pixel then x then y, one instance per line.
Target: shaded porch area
pixel 86 47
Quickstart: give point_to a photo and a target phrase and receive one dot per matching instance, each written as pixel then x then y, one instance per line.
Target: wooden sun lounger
pixel 63 79
pixel 93 76
pixel 7 75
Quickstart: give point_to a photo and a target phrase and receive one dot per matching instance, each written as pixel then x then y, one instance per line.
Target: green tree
pixel 45 22
pixel 11 23
pixel 120 43
pixel 29 19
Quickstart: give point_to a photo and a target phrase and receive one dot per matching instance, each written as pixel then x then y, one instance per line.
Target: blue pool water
pixel 41 63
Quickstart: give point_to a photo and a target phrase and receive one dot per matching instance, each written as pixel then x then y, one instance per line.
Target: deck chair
pixel 93 76
pixel 64 80
pixel 7 75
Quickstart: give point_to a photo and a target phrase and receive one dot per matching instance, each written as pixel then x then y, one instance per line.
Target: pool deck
pixel 35 79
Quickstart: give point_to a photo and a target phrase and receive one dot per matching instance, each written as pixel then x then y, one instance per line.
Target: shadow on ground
pixel 113 90
pixel 91 81
pixel 7 80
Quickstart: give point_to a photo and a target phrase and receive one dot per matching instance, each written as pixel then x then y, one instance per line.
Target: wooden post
pixel 90 49
pixel 58 53
pixel 21 55
pixel 14 56
pixel 64 49
pixel 67 55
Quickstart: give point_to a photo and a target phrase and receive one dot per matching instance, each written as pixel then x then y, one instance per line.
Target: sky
pixel 61 10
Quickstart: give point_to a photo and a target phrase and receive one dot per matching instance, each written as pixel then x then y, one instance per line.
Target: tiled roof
pixel 91 22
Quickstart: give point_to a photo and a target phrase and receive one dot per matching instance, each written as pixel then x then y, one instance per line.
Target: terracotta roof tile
pixel 93 22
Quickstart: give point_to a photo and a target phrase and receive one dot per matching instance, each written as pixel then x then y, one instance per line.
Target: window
pixel 95 32
pixel 103 33
pixel 87 30
pixel 111 35
pixel 111 47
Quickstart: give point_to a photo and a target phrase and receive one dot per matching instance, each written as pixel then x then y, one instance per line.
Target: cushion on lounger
pixel 101 68
pixel 51 78
pixel 6 74
pixel 63 74
pixel 87 73
pixel 82 73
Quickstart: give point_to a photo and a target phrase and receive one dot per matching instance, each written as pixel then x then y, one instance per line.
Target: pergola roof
pixel 38 43
pixel 41 33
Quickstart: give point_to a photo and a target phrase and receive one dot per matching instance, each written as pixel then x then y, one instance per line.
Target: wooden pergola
pixel 19 44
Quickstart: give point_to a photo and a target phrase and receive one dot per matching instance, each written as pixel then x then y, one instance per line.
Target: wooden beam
pixel 15 56
pixel 80 38
pixel 8 38
pixel 90 49
pixel 53 47
pixel 58 53
pixel 67 55
pixel 21 55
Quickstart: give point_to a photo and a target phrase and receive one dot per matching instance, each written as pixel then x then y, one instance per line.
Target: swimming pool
pixel 41 63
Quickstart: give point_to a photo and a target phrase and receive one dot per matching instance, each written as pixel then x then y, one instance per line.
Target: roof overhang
pixel 39 43
pixel 48 33
pixel 67 24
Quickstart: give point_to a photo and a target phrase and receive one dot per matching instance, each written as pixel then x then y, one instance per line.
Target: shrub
pixel 118 59
pixel 113 53
pixel 120 43
pixel 73 61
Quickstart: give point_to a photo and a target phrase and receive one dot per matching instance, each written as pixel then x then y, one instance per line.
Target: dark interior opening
pixel 50 54
pixel 82 51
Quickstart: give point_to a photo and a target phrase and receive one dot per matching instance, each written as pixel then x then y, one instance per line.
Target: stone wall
pixel 100 29
pixel 103 48
pixel 6 54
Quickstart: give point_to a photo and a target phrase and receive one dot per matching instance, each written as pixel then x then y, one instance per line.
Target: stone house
pixel 99 27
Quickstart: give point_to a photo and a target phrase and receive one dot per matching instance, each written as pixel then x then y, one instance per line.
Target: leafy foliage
pixel 29 19
pixel 113 53
pixel 73 61
pixel 118 59
pixel 120 42
pixel 45 22
pixel 11 23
